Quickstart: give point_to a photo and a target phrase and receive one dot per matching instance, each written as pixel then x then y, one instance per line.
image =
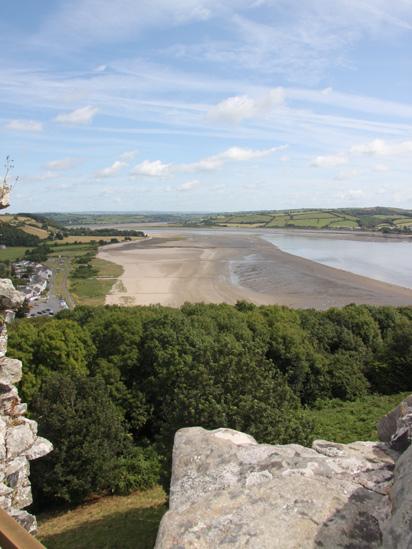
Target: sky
pixel 206 105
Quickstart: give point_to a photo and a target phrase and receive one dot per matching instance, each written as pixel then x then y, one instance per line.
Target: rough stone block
pixel 10 371
pixel 25 519
pixel 40 448
pixel 388 425
pixel 19 438
pixel 10 298
pixel 22 497
pixel 227 491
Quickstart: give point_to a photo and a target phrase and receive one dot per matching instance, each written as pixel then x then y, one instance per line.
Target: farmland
pixel 375 219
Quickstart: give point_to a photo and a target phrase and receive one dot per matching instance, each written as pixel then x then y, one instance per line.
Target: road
pixel 58 293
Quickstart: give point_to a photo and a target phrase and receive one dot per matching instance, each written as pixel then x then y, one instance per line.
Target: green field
pixel 12 254
pixel 84 291
pixel 367 218
pixel 93 290
pixel 116 522
pixel 343 421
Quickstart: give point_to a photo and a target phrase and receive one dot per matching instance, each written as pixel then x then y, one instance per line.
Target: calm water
pixel 389 261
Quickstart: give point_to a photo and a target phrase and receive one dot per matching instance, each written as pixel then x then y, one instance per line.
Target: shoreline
pixel 344 234
pixel 170 270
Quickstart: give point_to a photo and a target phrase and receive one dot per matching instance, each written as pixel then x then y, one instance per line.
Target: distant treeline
pixel 85 231
pixel 110 386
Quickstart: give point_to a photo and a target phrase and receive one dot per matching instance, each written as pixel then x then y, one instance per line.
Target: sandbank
pixel 224 268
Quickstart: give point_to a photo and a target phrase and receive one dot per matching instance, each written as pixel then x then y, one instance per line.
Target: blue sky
pixel 207 105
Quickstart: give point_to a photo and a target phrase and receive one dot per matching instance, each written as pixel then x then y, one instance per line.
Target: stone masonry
pixel 19 442
pixel 228 491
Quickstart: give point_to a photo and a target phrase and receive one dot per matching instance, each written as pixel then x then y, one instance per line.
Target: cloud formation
pixel 238 108
pixel 81 116
pixel 188 186
pixel 157 168
pixel 329 161
pixel 63 165
pixel 24 125
pixel 379 147
pixel 112 170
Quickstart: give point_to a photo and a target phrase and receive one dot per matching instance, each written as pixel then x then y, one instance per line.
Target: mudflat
pixel 224 268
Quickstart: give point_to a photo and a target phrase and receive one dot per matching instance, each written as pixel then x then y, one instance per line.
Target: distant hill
pixel 375 219
pixel 26 229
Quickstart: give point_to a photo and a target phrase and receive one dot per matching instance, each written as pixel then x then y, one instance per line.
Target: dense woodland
pixel 110 385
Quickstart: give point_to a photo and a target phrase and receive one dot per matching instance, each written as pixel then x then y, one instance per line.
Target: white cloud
pixel 188 186
pixel 128 155
pixel 63 164
pixel 326 91
pixel 242 107
pixel 154 168
pixel 81 116
pixel 24 125
pixel 234 154
pixel 115 168
pixel 379 147
pixel 157 168
pixel 329 161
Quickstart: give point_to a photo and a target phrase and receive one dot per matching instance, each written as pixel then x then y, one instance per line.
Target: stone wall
pixel 19 442
pixel 228 491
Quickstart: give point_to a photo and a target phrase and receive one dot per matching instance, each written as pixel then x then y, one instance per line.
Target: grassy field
pixel 70 250
pixel 84 291
pixel 116 522
pixel 13 253
pixel 349 421
pixel 93 290
pixel 36 231
pixel 107 268
pixel 90 291
pixel 367 218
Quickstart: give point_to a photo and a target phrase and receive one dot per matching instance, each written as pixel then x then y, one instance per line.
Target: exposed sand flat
pixel 225 268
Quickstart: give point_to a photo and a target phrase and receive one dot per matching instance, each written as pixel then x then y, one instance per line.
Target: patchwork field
pixel 371 219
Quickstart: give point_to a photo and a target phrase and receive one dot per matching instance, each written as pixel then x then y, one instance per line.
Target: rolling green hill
pixel 374 219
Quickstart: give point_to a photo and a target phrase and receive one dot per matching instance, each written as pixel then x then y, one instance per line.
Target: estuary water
pixel 388 261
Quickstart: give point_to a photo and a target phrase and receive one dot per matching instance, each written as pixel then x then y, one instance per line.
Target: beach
pixel 224 268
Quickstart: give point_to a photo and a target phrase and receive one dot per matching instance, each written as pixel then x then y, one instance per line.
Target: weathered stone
pixel 22 496
pixel 388 425
pixel 10 371
pixel 9 399
pixel 25 519
pixel 5 490
pixel 40 448
pixel 399 533
pixel 3 428
pixel 5 502
pixel 3 341
pixel 19 438
pixel 18 435
pixel 17 472
pixel 10 298
pixel 229 491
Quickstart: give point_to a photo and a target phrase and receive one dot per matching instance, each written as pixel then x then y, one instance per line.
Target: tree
pixel 92 451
